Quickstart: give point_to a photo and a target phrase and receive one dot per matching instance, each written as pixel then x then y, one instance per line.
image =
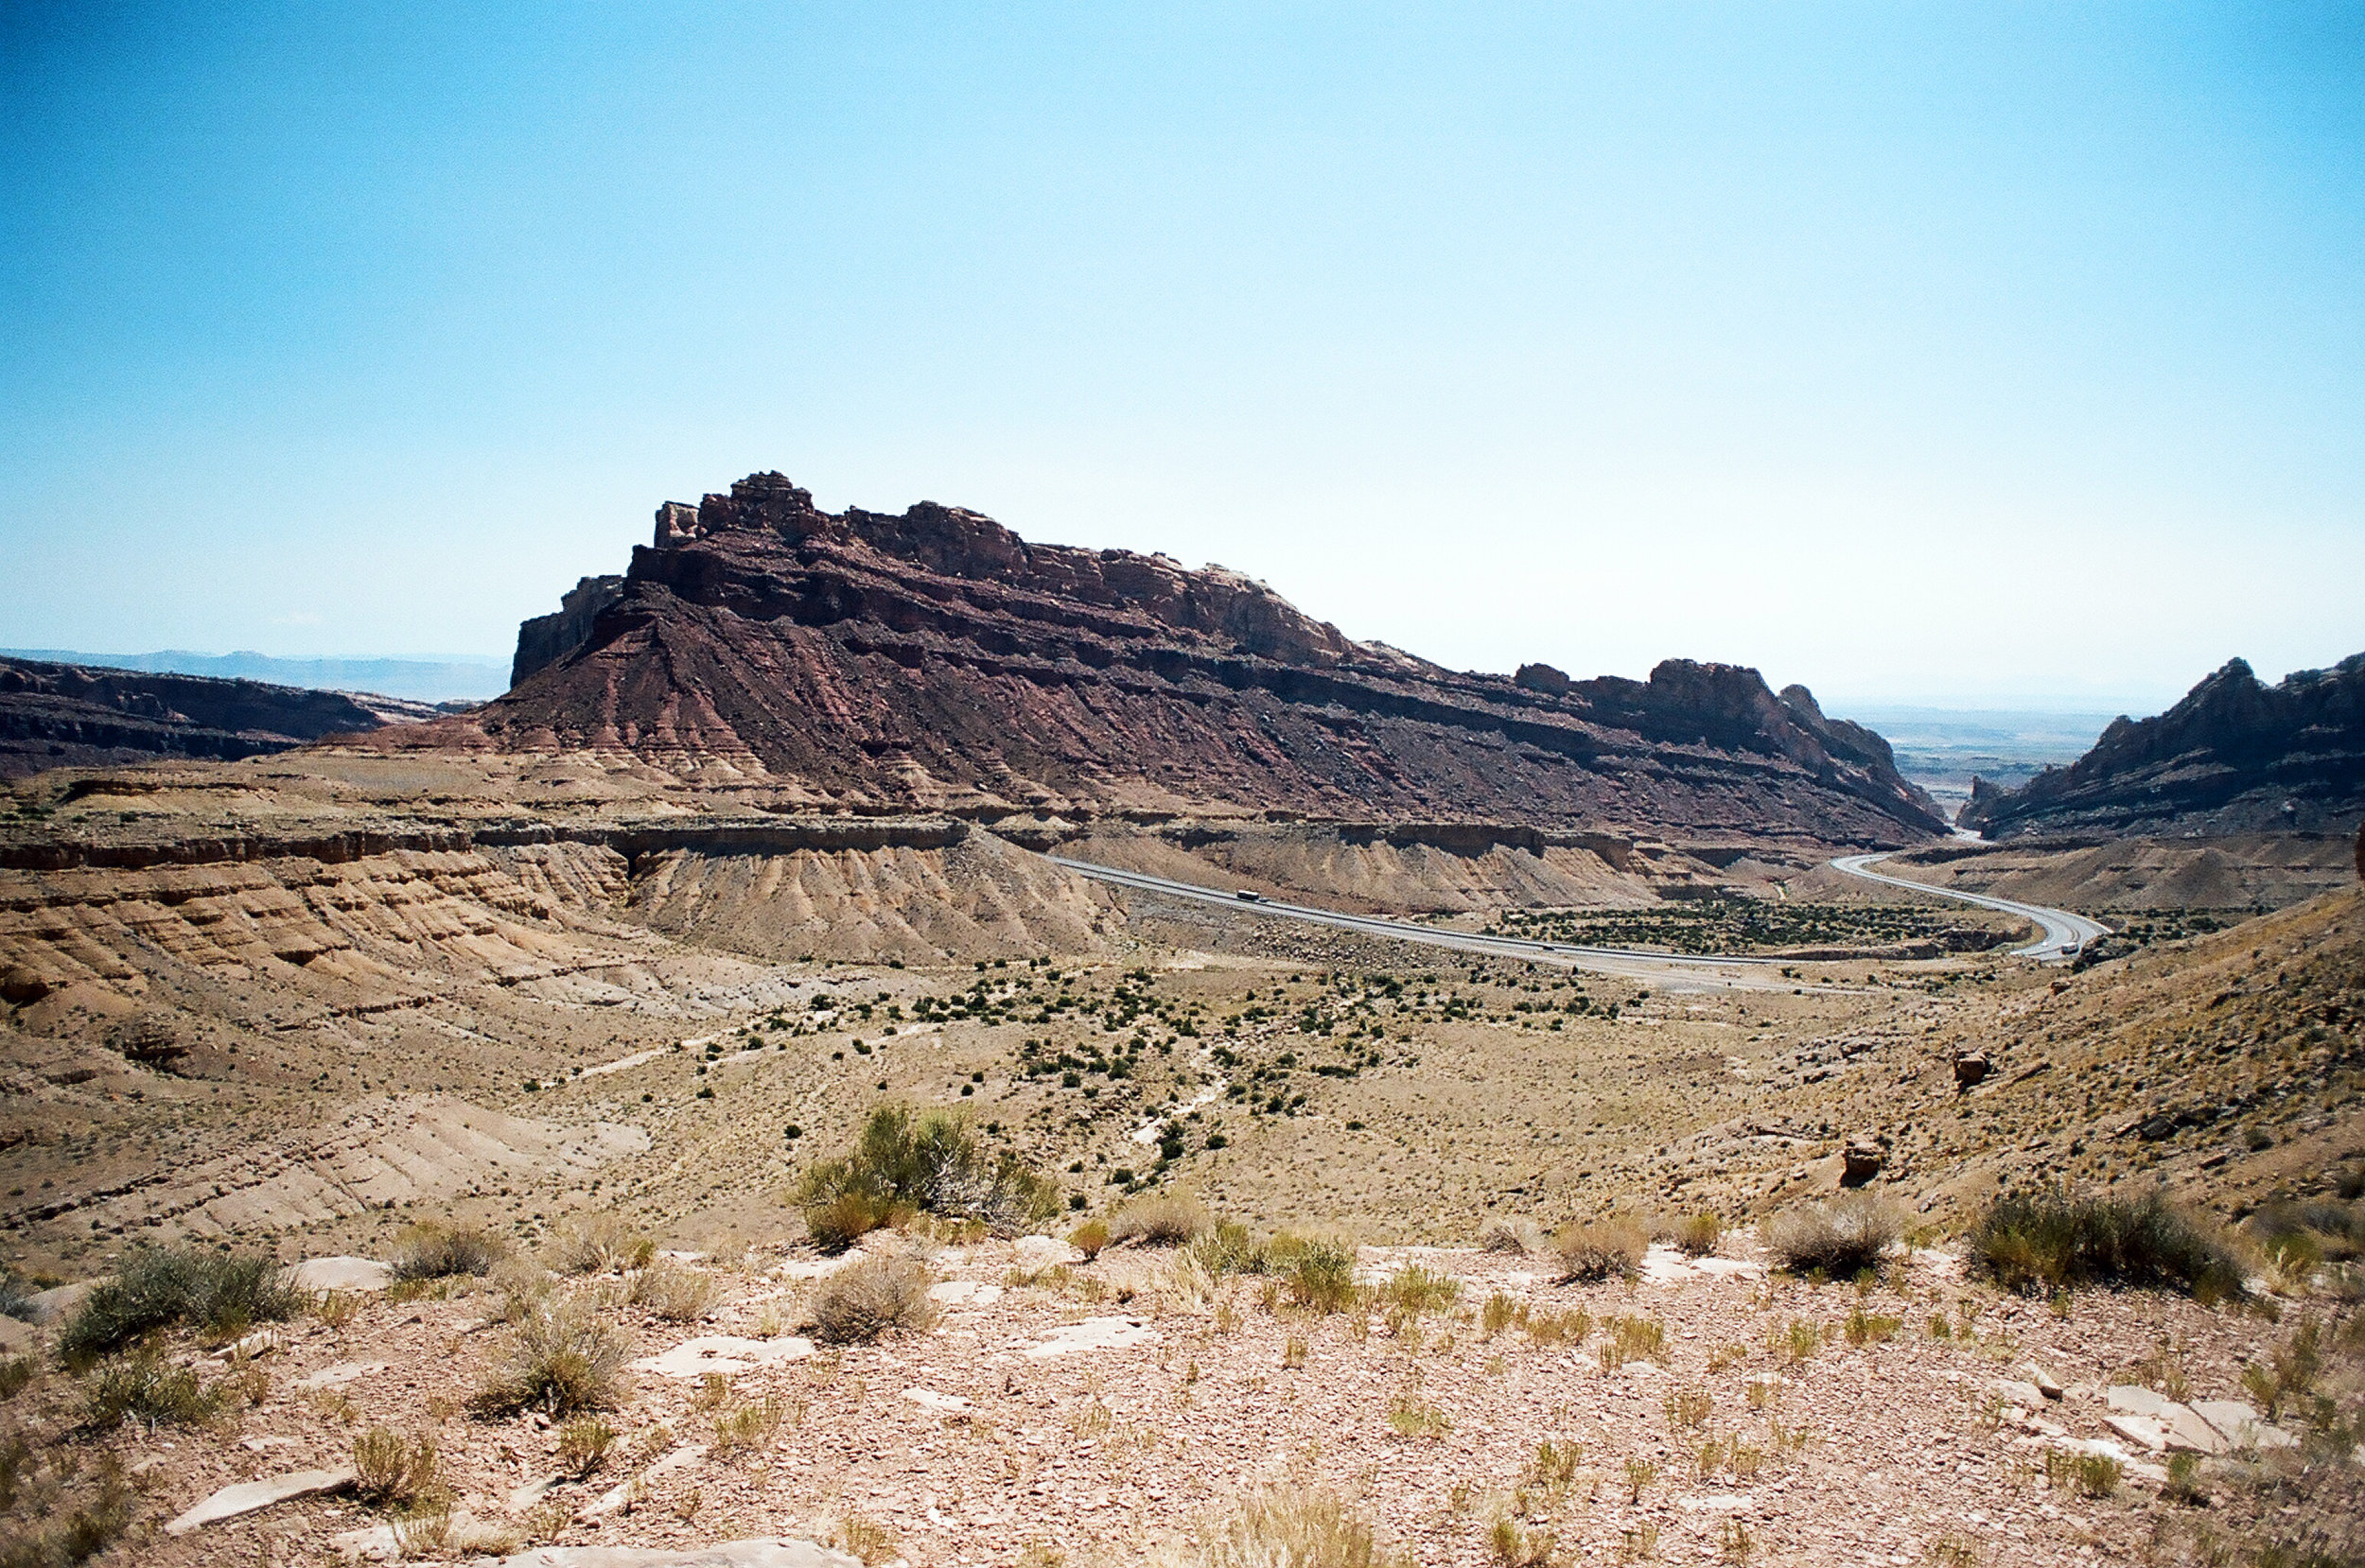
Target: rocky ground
pixel 1097 1413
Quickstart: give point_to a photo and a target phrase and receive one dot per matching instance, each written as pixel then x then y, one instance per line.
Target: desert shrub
pixel 837 1223
pixel 673 1293
pixel 1319 1276
pixel 1089 1238
pixel 1289 1528
pixel 583 1444
pixel 927 1163
pixel 751 1427
pixel 1849 1233
pixel 1414 1291
pixel 432 1251
pixel 600 1244
pixel 2324 1226
pixel 1505 1236
pixel 150 1390
pixel 161 1287
pixel 70 1529
pixel 389 1468
pixel 560 1361
pixel 2054 1239
pixel 1598 1250
pixel 1226 1248
pixel 1697 1236
pixel 1161 1219
pixel 1409 1416
pixel 864 1302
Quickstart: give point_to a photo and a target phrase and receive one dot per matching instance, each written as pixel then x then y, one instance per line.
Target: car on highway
pixel 1248 897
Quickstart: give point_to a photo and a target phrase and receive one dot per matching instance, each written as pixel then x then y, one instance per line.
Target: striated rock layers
pixel 62 715
pixel 936 661
pixel 2233 757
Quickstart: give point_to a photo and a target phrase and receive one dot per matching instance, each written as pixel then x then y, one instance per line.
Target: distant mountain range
pixel 418 680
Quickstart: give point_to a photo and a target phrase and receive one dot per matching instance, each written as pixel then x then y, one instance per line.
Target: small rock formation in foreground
pixel 936 661
pixel 2233 757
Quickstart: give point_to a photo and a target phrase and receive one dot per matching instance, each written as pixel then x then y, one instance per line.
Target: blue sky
pixel 1962 354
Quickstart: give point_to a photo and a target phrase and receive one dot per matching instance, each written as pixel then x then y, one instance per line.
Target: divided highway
pixel 2064 932
pixel 1673 970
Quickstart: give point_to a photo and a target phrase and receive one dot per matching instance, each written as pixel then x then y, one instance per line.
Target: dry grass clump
pixel 751 1427
pixel 1319 1276
pixel 675 1294
pixel 1697 1236
pixel 82 1507
pixel 434 1251
pixel 1509 1237
pixel 1602 1249
pixel 864 1301
pixel 1289 1528
pixel 1161 1219
pixel 2055 1239
pixel 582 1445
pixel 561 1361
pixel 1414 1292
pixel 600 1244
pixel 906 1163
pixel 1840 1238
pixel 161 1287
pixel 389 1468
pixel 1089 1238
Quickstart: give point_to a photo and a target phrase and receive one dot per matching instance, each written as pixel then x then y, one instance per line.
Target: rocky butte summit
pixel 936 661
pixel 2235 755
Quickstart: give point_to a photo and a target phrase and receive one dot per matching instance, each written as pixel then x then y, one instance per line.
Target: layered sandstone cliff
pixel 934 660
pixel 2235 755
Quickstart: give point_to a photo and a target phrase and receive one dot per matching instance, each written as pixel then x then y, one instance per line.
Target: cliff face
pixel 937 660
pixel 2233 757
pixel 59 715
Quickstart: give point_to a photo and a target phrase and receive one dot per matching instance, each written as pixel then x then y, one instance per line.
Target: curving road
pixel 2064 932
pixel 1675 971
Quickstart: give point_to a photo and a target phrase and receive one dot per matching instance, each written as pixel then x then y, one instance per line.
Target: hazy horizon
pixel 2000 359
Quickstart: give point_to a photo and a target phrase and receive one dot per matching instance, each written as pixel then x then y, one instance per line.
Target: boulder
pixel 1862 1161
pixel 340 1274
pixel 2128 1399
pixel 2028 1371
pixel 726 1353
pixel 248 1496
pixel 1972 1068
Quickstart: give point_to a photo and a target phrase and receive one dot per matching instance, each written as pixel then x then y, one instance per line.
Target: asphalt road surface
pixel 2064 932
pixel 1675 971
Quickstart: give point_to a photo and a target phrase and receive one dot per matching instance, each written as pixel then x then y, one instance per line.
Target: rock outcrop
pixel 62 715
pixel 934 660
pixel 546 640
pixel 2233 757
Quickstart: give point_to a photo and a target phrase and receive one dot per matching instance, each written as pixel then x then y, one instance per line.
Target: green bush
pixel 1319 1274
pixel 150 1390
pixel 2053 1239
pixel 165 1287
pixel 930 1164
pixel 1225 1248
